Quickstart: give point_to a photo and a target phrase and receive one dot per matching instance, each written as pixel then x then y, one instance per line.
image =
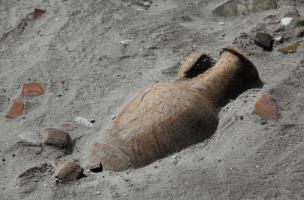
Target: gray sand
pixel 79 42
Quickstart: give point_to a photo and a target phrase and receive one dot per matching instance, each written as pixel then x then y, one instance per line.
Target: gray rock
pixel 288 11
pixel 244 7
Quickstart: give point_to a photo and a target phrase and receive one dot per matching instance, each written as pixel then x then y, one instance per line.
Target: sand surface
pixel 92 56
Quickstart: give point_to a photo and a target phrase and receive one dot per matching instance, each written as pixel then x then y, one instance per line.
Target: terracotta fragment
pixel 32 89
pixel 266 107
pixel 16 109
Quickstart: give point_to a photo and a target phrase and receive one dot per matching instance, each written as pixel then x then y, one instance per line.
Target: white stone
pixel 286 21
pixel 82 122
pixel 222 23
pixel 278 38
pixel 125 41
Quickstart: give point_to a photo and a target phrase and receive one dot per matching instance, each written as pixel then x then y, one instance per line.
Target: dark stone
pixel 264 40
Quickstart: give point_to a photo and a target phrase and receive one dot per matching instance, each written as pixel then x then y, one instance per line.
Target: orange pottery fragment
pixel 16 110
pixel 266 107
pixel 32 89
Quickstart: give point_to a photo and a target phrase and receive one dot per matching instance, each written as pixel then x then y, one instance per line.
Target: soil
pixel 92 56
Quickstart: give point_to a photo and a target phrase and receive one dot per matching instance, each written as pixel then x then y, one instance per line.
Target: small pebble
pixel 125 42
pixel 286 21
pixel 147 3
pixel 278 39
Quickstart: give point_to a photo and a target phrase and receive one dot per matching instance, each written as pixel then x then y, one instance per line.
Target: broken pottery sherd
pixel 32 89
pixel 266 107
pixel 16 109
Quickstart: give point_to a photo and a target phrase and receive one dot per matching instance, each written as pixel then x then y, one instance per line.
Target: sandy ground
pixel 75 51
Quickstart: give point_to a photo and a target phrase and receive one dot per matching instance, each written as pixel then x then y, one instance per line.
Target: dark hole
pixel 203 63
pixel 97 169
pixel 82 175
pixel 93 121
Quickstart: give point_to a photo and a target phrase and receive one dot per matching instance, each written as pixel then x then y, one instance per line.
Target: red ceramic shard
pixel 38 13
pixel 32 89
pixel 267 108
pixel 16 110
